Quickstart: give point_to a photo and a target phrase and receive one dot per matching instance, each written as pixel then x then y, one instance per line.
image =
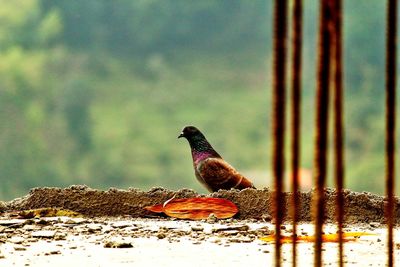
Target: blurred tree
pixel 96 91
pixel 75 105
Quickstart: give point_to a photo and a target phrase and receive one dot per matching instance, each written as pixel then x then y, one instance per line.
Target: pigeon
pixel 209 167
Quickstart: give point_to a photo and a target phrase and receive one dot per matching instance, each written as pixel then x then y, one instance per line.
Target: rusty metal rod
pixel 390 119
pixel 296 117
pixel 322 108
pixel 338 121
pixel 279 87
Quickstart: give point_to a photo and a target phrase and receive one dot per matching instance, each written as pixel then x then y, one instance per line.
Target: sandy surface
pixel 64 241
pixel 116 230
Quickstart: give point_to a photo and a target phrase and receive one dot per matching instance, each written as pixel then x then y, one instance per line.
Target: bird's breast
pixel 199 156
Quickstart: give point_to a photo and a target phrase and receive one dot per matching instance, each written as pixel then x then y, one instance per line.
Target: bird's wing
pixel 218 174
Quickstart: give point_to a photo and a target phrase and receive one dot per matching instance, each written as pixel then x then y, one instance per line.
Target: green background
pixel 96 92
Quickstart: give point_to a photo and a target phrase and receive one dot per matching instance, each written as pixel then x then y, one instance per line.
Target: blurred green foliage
pixel 95 92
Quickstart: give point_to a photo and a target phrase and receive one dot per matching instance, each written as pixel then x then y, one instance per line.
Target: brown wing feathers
pixel 218 174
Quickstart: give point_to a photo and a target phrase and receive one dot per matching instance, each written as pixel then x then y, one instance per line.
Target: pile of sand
pixel 253 203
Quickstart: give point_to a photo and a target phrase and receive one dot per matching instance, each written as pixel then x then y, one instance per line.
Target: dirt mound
pixel 253 204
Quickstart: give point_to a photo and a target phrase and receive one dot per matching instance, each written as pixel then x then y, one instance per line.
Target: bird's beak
pixel 181 135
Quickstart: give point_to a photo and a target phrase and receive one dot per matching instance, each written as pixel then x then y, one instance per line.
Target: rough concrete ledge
pixel 252 203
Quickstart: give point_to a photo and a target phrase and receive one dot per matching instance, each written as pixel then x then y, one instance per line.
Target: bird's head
pixel 198 142
pixel 189 132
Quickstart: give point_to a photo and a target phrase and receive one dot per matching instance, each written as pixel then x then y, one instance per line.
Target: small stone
pixel 17 239
pixel 93 227
pixel 13 222
pixel 289 231
pixel 240 240
pixel 60 236
pixel 374 224
pixel 132 228
pixel 266 251
pixel 79 187
pixel 121 224
pixel 75 221
pixel 30 222
pixel 19 248
pixel 106 229
pixel 3 206
pixel 212 218
pixel 266 217
pixel 117 244
pixel 262 231
pixel 197 228
pixel 30 227
pixel 194 234
pixel 241 228
pixel 216 241
pixel 161 235
pixel 43 222
pixel 44 234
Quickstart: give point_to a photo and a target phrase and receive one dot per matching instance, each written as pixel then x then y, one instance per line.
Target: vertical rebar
pixel 390 119
pixel 322 108
pixel 338 121
pixel 279 86
pixel 296 116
